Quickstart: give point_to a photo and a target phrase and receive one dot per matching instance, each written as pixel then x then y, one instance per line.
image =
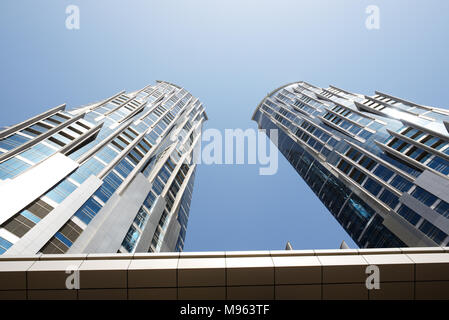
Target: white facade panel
pixel 17 193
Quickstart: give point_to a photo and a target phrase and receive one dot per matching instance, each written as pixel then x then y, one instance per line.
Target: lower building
pixel 406 273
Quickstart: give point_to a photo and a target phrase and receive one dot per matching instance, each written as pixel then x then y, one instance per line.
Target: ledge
pixel 405 273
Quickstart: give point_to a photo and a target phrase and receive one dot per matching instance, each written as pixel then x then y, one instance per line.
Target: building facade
pixel 380 164
pixel 112 176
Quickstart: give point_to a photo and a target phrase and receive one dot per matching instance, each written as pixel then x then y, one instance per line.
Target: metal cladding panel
pixel 426 212
pixel 108 228
pixel 17 193
pixel 435 184
pixel 148 232
pixel 171 236
pixel 37 237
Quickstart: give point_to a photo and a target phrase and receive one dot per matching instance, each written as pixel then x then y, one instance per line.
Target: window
pixel 63 239
pixel 389 198
pixel 365 134
pixel 376 125
pixel 446 151
pixel 70 231
pixel 130 134
pixel 401 164
pixel 354 117
pixel 383 173
pixel 110 183
pixel 163 219
pixel 56 142
pixel 368 163
pixel 148 203
pixel 30 216
pixel 401 183
pixel 378 236
pixel 345 124
pixel 135 156
pixel 332 142
pixel 106 154
pixel 354 154
pixel 432 232
pixel 61 191
pixel 439 144
pixel 88 210
pixel 67 136
pixel 37 153
pixel 354 129
pixel 152 137
pixel 13 141
pixel 318 146
pixel 418 154
pixel 157 186
pixel 82 148
pixel 364 121
pixel 91 167
pixel 357 175
pixel 443 209
pixel 117 145
pixel 440 165
pixel 12 167
pixel 324 137
pixel 311 142
pixel 409 215
pixel 425 197
pixel 398 145
pixel 164 174
pixel 141 218
pixel 122 141
pixel 23 221
pixel 430 141
pixel 155 240
pixel 130 239
pixel 39 208
pixel 305 137
pixel 58 117
pixel 344 166
pixel 19 224
pixel 53 120
pixel 124 168
pixel 4 245
pixel 354 216
pixel 412 133
pixel 145 145
pixel 36 129
pixel 325 152
pixel 372 186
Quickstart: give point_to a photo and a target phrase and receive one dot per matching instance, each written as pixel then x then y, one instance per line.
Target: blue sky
pixel 229 54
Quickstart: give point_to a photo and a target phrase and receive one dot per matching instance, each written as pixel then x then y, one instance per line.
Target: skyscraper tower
pixel 380 164
pixel 112 176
